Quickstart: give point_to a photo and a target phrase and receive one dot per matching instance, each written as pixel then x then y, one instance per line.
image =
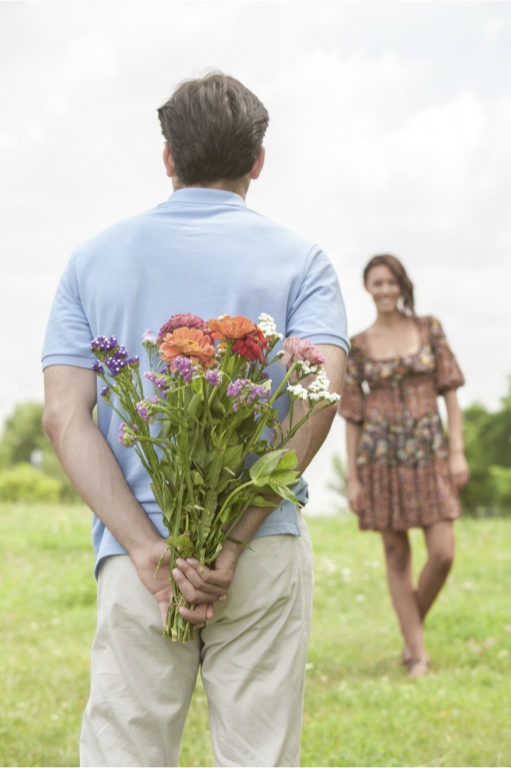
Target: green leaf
pixel 215 469
pixel 289 460
pixel 182 545
pixel 246 427
pixel 260 501
pixel 260 471
pixel 217 409
pixel 197 478
pixel 199 452
pixel 239 543
pixel 232 456
pixel 195 403
pixel 197 385
pixel 285 478
pixel 284 491
pixel 165 429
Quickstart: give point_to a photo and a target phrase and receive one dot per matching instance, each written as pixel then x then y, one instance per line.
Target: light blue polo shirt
pixel 205 252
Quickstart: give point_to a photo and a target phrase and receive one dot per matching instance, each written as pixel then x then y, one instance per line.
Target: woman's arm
pixel 354 486
pixel 457 461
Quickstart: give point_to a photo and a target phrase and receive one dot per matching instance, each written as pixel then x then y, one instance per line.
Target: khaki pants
pixel 252 658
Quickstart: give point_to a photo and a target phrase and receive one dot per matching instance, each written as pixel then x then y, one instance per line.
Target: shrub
pixel 23 435
pixel 24 483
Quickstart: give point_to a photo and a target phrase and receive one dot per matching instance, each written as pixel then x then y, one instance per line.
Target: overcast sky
pixel 390 129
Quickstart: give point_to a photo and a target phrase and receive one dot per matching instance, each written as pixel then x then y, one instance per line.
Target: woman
pixel 402 472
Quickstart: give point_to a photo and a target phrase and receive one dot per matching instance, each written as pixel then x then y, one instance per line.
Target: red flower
pixel 251 346
pixel 231 327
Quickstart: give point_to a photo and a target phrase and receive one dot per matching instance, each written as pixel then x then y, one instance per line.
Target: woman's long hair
pixel 399 272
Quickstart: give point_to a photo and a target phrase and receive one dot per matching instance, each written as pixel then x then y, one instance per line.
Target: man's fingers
pixel 205 581
pixel 164 608
pixel 191 593
pixel 199 615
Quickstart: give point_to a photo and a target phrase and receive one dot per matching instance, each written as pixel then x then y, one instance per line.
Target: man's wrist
pixel 144 544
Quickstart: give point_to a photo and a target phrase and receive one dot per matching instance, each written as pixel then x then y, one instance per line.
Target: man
pixel 204 252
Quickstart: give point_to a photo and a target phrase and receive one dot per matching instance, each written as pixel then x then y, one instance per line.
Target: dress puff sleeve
pixel 448 373
pixel 351 405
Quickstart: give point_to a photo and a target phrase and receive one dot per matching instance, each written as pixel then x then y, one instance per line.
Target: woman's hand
pixel 458 466
pixel 355 492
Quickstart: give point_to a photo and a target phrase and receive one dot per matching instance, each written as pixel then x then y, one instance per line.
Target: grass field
pixel 360 709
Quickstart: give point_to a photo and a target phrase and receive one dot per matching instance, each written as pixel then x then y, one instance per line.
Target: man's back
pixel 204 252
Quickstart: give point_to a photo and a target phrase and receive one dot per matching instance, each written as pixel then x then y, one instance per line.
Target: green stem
pixel 283 383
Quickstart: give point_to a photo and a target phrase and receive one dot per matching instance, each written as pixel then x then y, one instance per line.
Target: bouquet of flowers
pixel 211 403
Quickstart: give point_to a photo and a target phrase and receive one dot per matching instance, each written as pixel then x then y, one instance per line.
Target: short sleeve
pixel 351 405
pixel 68 334
pixel 317 311
pixel 448 373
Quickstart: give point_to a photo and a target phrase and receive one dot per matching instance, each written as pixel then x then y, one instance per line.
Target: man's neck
pixel 237 186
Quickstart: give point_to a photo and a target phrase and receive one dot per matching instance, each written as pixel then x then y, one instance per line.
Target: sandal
pixel 418 667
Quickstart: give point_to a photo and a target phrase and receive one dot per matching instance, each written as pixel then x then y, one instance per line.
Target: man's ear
pixel 258 165
pixel 169 161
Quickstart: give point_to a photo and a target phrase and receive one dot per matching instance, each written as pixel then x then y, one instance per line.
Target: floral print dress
pixel 402 453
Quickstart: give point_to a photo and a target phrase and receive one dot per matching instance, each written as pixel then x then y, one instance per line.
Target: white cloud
pixel 363 156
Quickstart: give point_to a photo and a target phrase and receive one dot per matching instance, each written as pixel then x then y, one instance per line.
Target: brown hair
pixel 399 272
pixel 214 127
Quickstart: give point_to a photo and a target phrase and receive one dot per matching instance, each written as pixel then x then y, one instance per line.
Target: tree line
pixel 30 470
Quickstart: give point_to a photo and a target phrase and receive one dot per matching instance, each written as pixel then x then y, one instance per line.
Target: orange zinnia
pixel 231 328
pixel 191 343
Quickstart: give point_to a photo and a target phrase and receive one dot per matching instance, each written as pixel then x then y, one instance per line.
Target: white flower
pixel 148 337
pixel 304 365
pixel 267 325
pixel 221 317
pixel 297 392
pixel 334 398
pixel 280 353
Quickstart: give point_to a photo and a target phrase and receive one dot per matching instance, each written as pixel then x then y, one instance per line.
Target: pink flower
pixel 298 350
pixel 182 321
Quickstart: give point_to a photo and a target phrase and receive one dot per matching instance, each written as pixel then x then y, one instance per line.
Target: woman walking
pixel 402 471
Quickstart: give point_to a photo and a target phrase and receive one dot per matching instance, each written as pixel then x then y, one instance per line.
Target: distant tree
pixel 24 440
pixel 23 433
pixel 488 450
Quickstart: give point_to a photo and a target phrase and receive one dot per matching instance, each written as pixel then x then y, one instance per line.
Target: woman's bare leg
pixel 398 557
pixel 440 545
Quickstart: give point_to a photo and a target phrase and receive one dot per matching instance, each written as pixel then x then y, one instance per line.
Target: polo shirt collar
pixel 206 196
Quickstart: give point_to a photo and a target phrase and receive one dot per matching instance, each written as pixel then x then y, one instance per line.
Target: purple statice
pixel 235 387
pixel 106 392
pixel 184 367
pixel 117 362
pixel 98 368
pixel 104 347
pixel 145 411
pixel 244 392
pixel 159 380
pixel 214 377
pixel 128 435
pixel 134 362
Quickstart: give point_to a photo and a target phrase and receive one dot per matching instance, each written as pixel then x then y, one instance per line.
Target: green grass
pixel 360 709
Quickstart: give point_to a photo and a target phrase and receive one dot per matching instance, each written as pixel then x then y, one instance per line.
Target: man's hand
pixel 213 583
pixel 146 561
pixel 201 590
